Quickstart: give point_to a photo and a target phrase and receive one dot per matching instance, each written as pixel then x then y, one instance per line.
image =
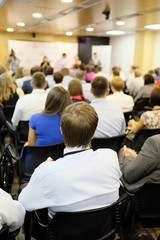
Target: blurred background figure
pixel 13 62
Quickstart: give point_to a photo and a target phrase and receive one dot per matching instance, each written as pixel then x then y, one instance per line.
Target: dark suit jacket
pixel 145 168
pixel 27 87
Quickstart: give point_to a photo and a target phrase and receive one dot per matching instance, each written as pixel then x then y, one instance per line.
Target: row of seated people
pixel 85 179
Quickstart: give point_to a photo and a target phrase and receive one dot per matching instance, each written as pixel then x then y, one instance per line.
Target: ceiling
pixel 58 17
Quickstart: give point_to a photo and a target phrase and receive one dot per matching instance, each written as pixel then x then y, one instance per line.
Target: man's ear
pixel 91 90
pixel 61 130
pixel 31 83
pixel 93 134
pixel 107 93
pixel 45 85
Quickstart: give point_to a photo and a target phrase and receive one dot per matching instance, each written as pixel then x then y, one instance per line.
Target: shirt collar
pixel 38 91
pixel 98 100
pixel 74 149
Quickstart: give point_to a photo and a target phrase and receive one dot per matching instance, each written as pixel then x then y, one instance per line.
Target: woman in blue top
pixel 44 128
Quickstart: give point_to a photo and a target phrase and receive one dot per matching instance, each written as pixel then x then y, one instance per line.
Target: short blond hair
pixel 138 73
pixel 117 83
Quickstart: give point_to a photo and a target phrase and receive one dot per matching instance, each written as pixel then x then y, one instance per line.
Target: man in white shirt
pixel 83 179
pixel 99 72
pixel 118 97
pixel 49 77
pixel 12 212
pixel 61 63
pixel 32 103
pixel 111 119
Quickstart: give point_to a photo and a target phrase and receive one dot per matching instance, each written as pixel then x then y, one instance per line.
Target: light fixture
pixel 20 24
pixel 89 29
pixel 153 26
pixel 66 1
pixel 10 30
pixel 69 33
pixel 120 23
pixel 115 32
pixel 37 15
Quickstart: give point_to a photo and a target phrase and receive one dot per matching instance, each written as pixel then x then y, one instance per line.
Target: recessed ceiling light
pixel 37 15
pixel 10 30
pixel 89 29
pixel 69 33
pixel 66 1
pixel 120 23
pixel 20 24
pixel 115 32
pixel 153 26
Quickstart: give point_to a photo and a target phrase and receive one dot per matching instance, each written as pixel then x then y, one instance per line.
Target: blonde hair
pixel 117 83
pixel 6 86
pixel 138 73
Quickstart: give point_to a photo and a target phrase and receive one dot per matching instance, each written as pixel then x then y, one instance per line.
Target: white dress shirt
pixel 80 181
pixel 66 80
pixel 87 90
pixel 50 81
pixel 11 212
pixel 123 100
pixel 29 104
pixel 111 119
pixel 20 81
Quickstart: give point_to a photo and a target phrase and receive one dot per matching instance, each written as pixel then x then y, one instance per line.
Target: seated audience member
pixel 31 103
pixel 115 73
pixel 89 73
pixel 118 97
pixel 111 119
pixel 2 69
pixel 142 168
pixel 18 74
pixel 145 91
pixel 131 75
pixel 45 64
pixel 149 119
pixel 12 212
pixel 44 128
pixel 74 71
pixel 76 61
pixel 75 91
pixel 85 86
pixel 99 72
pixel 26 87
pixel 58 78
pixel 157 74
pixel 9 92
pixel 66 77
pixel 61 63
pixel 49 77
pixel 83 179
pixel 25 77
pixel 136 83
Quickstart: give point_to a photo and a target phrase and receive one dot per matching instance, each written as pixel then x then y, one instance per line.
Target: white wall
pixel 123 52
pixel 157 51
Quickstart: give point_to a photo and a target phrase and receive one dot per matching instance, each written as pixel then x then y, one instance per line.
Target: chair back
pixel 8 112
pixel 127 117
pixel 4 233
pixel 114 143
pixel 33 156
pixel 146 203
pixel 141 137
pixel 95 224
pixel 22 132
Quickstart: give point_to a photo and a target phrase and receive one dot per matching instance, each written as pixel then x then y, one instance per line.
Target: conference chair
pixel 8 112
pixel 141 137
pixel 96 224
pixel 127 116
pixel 140 106
pixel 32 156
pixel 146 205
pixel 114 143
pixel 6 235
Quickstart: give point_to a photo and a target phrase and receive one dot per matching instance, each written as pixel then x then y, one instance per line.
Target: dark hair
pixel 49 71
pixel 35 69
pixel 38 79
pixel 98 68
pixel 58 77
pixel 78 123
pixel 148 79
pixel 88 68
pixel 64 54
pixel 99 86
pixel 75 87
pixel 155 96
pixel 82 66
pixel 116 72
pixel 80 75
pixel 58 98
pixel 65 71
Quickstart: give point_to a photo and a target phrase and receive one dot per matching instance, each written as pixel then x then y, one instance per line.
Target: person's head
pixel 58 98
pixel 78 124
pixel 148 79
pixel 137 73
pixel 157 71
pixel 35 69
pixel 25 72
pixel 49 71
pixel 95 54
pixel 76 66
pixel 45 59
pixel 65 71
pixel 151 72
pixel 82 66
pixel 64 55
pixel 88 68
pixel 116 72
pixel 58 77
pixel 75 87
pixel 2 69
pixel 155 96
pixel 6 85
pixel 38 80
pixel 98 69
pixel 19 72
pixel 80 75
pixel 132 69
pixel 117 84
pixel 99 86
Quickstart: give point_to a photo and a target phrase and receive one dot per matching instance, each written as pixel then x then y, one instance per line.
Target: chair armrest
pixel 41 217
pixel 9 152
pixel 11 128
